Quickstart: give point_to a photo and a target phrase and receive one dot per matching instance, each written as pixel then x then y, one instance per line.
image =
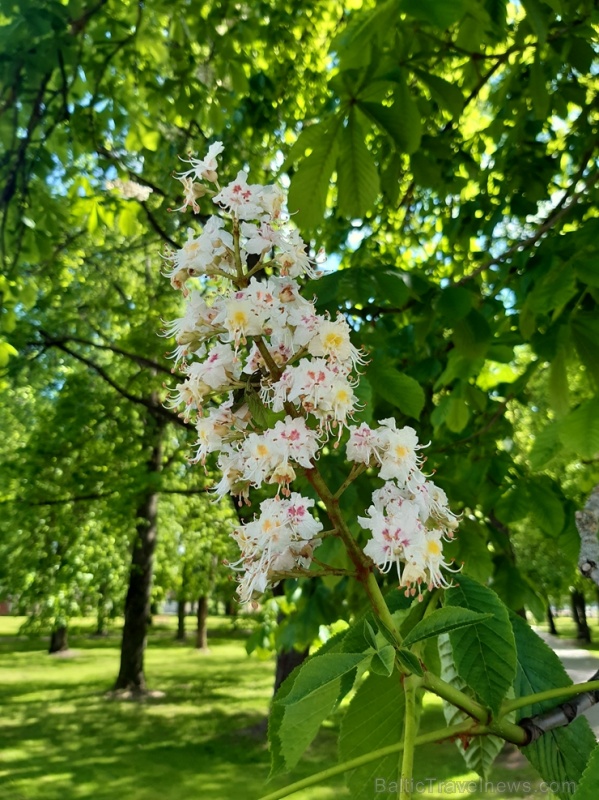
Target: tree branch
pixel 81 498
pixel 143 361
pixel 557 213
pixel 560 716
pixel 156 409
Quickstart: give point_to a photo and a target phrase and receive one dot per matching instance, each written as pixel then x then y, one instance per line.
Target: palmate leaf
pixel 482 750
pixel 560 756
pixel 545 446
pixel 310 184
pixel 374 719
pixel 587 788
pixel 313 695
pixel 441 15
pixel 333 645
pixel 485 654
pixel 358 182
pixel 396 387
pixel 441 621
pixel 579 430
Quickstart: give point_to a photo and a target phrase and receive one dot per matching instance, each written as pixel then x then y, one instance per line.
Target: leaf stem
pixel 439 735
pixel 356 470
pixel 444 690
pixel 549 694
pixel 409 738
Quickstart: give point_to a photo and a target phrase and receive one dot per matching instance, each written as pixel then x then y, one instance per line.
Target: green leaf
pixel 457 415
pixel 481 751
pixel 472 335
pixel 585 334
pixel 454 303
pixel 559 395
pixel 546 508
pixel 396 387
pixel 127 220
pixel 150 139
pixel 587 788
pixel 312 697
pixel 553 290
pixel 443 620
pixel 579 431
pixel 560 756
pixel 409 661
pixel 6 351
pixel 545 446
pixel 401 121
pixel 514 504
pixel 392 286
pixel 485 655
pixel 374 719
pixel 537 17
pixel 334 644
pixel 309 137
pixel 383 661
pixel 92 218
pixel 440 14
pixel 447 94
pixel 370 635
pixel 258 411
pixel 357 176
pixel 538 89
pixel 309 186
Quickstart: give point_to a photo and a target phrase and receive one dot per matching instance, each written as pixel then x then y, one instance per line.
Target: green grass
pixel 566 629
pixel 62 739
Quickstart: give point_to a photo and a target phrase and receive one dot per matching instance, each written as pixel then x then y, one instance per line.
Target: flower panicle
pixel 286 376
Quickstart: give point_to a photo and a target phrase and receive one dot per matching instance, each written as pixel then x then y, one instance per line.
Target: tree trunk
pixel 287 660
pixel 58 640
pixel 578 604
pixel 231 607
pixel 101 613
pixel 202 630
pixel 551 621
pixel 181 608
pixel 137 604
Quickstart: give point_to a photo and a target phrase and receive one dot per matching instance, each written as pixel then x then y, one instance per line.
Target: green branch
pixel 426 738
pixel 549 694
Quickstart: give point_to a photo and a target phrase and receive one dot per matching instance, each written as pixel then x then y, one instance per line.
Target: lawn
pixel 62 739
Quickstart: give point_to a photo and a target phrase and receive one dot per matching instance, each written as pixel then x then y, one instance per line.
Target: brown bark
pixel 578 605
pixel 287 660
pixel 551 621
pixel 59 640
pixel 137 604
pixel 202 629
pixel 181 608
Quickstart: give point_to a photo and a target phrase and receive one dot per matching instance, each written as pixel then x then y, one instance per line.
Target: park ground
pixel 202 736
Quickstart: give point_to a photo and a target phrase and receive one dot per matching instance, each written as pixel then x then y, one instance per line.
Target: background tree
pixel 452 149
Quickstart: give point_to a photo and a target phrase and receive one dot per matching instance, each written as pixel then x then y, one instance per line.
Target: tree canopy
pixel 443 153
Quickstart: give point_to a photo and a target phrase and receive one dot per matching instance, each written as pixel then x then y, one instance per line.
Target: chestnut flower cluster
pixel 409 518
pixel 268 381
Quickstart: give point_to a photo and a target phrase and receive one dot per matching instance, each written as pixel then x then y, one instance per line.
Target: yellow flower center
pixel 332 341
pixel 434 548
pixel 239 318
pixel 401 451
pixel 262 450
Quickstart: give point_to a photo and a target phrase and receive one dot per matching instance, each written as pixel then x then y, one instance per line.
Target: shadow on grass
pixel 61 738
